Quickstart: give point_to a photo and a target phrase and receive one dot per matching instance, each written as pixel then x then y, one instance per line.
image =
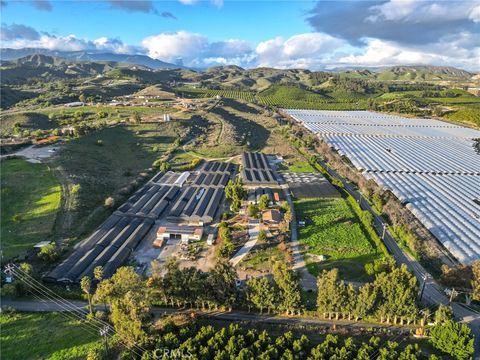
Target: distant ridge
pixel 133 59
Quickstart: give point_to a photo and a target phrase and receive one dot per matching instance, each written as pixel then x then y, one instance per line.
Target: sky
pixel 284 34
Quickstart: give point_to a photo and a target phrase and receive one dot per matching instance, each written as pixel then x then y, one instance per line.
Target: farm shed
pixel 183 233
pixel 197 205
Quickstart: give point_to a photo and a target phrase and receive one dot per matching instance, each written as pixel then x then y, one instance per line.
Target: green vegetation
pixel 208 93
pixel 235 342
pixel 298 98
pixel 334 231
pixel 300 166
pixel 30 201
pixel 116 168
pixel 454 339
pixel 45 336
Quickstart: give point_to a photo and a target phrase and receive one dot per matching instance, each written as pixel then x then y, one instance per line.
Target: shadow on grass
pixel 241 107
pixel 245 130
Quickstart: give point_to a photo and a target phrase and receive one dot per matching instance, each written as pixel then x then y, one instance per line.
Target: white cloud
pixel 298 51
pixel 421 11
pixel 171 45
pixel 446 52
pixel 217 3
pixel 70 43
pixel 475 14
pixel 195 49
pixel 113 45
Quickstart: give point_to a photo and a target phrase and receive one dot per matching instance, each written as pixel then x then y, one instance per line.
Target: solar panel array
pixel 256 169
pixel 430 165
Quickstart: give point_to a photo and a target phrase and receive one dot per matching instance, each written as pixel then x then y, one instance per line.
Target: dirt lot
pixel 310 185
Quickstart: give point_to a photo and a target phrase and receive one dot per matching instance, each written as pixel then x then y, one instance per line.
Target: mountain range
pixel 142 60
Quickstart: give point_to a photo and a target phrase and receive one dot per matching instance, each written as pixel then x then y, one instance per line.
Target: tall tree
pixel 223 280
pixel 443 314
pixel 86 286
pixel 332 294
pixel 129 302
pixel 289 287
pixel 260 293
pixel 453 338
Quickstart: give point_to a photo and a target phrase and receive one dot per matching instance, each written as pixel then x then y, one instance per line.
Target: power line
pixel 65 304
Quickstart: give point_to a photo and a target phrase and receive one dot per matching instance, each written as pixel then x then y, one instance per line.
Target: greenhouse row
pixel 431 166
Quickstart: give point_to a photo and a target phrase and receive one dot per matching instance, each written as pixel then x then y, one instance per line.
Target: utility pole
pixel 423 286
pixel 104 333
pixel 453 293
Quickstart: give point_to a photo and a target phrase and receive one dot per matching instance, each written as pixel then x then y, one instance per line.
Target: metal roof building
pixel 257 170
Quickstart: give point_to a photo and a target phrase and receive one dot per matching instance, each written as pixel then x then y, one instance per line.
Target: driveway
pixel 253 229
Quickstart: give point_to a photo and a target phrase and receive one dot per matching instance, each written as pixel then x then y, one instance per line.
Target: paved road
pixel 51 306
pixel 307 280
pixel 253 229
pixel 432 293
pixel 34 153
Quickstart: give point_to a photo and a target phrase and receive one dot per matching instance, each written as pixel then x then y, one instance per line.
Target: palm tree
pixel 86 286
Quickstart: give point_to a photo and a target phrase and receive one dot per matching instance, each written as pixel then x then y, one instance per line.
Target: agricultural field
pixel 29 336
pixel 295 98
pixel 208 93
pixel 31 197
pixel 333 230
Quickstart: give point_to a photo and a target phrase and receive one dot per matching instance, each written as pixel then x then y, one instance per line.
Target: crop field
pixel 334 231
pixel 30 202
pixel 29 336
pixel 208 93
pixel 287 97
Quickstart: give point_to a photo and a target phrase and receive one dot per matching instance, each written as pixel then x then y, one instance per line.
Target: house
pixel 272 217
pixel 184 233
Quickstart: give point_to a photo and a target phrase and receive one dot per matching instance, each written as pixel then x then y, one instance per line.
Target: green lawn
pixel 30 201
pixel 301 166
pixel 262 259
pixel 333 230
pixel 26 336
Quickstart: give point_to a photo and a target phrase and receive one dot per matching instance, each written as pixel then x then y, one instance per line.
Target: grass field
pixel 30 200
pixel 334 231
pixel 298 166
pixel 99 164
pixel 262 259
pixel 26 336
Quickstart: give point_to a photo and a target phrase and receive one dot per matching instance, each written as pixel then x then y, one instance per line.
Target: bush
pixel 453 338
pixel 262 235
pixel 49 253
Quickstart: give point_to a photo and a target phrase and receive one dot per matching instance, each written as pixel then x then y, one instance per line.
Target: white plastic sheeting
pixel 430 165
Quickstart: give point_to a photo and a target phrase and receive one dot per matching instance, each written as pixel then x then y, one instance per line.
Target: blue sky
pixel 286 34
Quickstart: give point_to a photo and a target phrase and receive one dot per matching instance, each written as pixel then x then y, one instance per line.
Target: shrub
pixel 49 253
pixel 453 338
pixel 109 202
